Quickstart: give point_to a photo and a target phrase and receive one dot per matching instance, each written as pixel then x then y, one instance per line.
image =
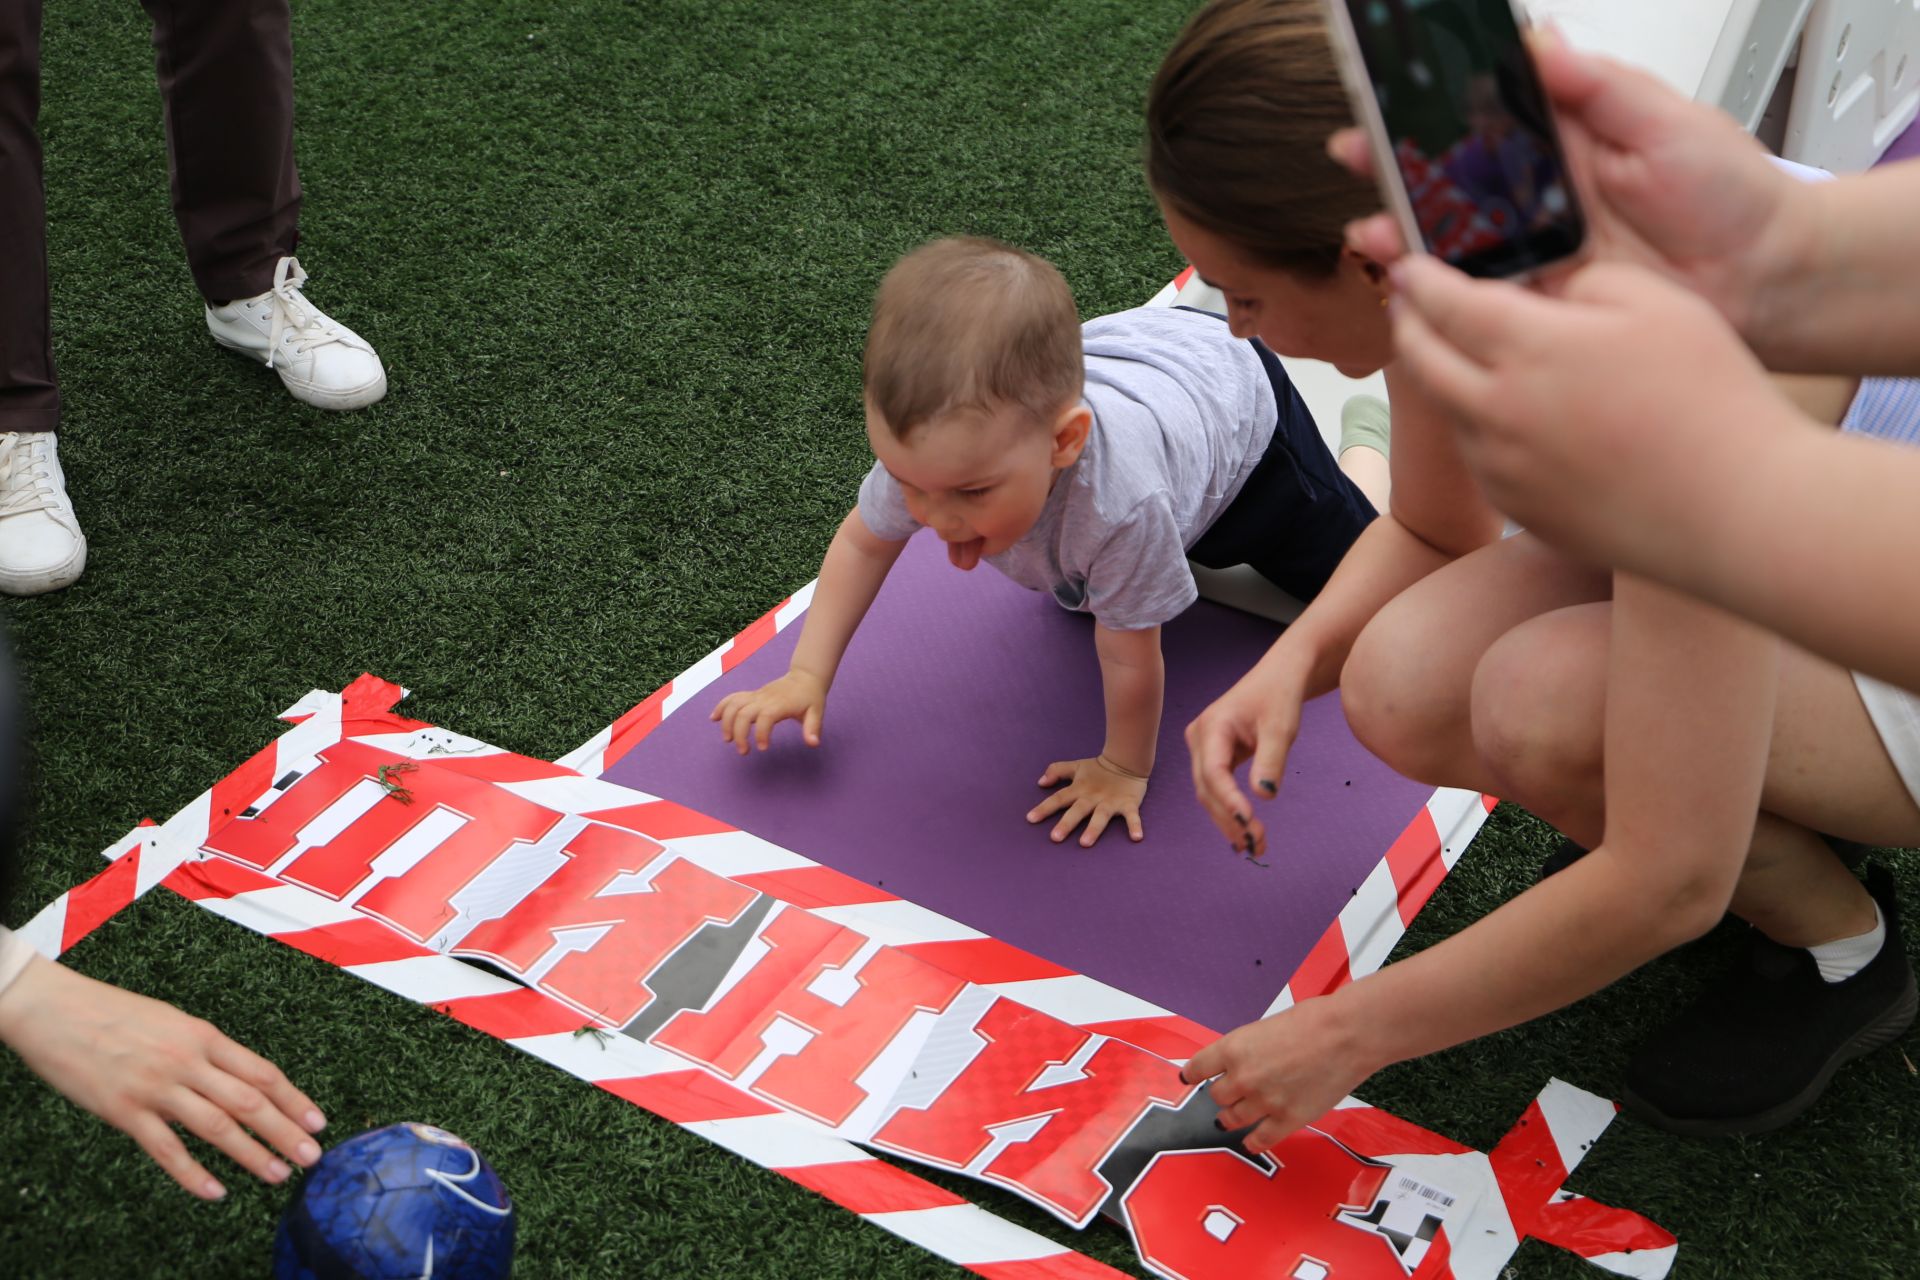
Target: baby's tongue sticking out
pixel 965 555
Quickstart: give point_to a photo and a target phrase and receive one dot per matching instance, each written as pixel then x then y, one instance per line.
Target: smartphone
pixel 1448 90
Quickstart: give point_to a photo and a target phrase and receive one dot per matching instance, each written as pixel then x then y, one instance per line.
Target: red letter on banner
pixel 609 979
pixel 261 841
pixel 1273 1222
pixel 1086 1117
pixel 417 902
pixel 820 1079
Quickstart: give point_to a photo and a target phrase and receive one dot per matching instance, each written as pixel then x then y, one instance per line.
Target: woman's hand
pixel 1595 419
pixel 143 1067
pixel 1280 1073
pixel 1257 719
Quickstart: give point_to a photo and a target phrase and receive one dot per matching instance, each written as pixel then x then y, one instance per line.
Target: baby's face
pixel 979 482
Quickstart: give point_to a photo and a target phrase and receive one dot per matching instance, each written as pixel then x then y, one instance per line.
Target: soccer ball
pixel 407 1202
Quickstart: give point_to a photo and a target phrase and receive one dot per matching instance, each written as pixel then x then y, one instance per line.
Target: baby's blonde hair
pixel 967 324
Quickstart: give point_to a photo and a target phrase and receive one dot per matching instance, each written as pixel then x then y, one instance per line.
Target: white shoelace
pixel 26 483
pixel 293 313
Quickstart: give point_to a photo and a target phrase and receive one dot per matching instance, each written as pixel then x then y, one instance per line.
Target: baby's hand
pixel 1096 793
pixel 750 716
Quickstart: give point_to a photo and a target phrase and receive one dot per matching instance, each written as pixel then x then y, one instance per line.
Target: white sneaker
pixel 322 362
pixel 41 546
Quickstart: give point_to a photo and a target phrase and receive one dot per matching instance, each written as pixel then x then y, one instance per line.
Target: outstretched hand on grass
pixel 1097 793
pixel 144 1067
pixel 747 718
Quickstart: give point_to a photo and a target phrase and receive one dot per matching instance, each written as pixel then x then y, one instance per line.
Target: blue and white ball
pixel 406 1202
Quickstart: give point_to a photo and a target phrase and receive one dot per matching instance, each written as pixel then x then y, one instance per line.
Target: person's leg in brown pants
pixel 226 82
pixel 226 87
pixel 41 547
pixel 29 397
pixel 226 90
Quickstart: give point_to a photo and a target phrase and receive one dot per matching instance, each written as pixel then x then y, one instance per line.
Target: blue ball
pixel 399 1203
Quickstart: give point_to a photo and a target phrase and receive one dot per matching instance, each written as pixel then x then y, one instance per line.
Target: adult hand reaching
pixel 1279 1073
pixel 143 1067
pixel 1257 719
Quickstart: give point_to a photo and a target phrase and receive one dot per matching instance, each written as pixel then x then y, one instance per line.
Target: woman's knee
pixel 1407 686
pixel 1404 704
pixel 1538 709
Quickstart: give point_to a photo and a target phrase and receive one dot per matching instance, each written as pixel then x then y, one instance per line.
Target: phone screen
pixel 1470 131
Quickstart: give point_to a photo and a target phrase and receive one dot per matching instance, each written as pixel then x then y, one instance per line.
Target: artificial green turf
pixel 616 257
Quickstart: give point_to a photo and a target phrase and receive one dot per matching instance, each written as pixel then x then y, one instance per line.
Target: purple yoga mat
pixel 1904 147
pixel 956 693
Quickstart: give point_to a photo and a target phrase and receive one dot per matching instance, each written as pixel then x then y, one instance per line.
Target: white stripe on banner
pixel 966 1234
pixel 1640 1264
pixel 796 605
pixel 1457 817
pixel 898 922
pixel 780 1141
pixel 1575 1118
pixel 589 759
pixel 692 681
pixel 430 979
pixel 1371 921
pixel 282 909
pixel 735 853
pixel 1078 999
pixel 48 926
pixel 570 794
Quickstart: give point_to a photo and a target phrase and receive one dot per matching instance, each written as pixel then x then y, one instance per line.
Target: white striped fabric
pixel 1887 409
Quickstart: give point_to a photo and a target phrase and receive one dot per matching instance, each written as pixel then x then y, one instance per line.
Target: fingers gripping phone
pixel 1448 91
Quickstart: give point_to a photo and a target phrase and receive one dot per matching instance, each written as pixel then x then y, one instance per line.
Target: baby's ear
pixel 1070 435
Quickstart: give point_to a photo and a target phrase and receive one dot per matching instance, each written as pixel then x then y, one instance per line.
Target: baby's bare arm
pixel 1133 676
pixel 1111 785
pixel 856 565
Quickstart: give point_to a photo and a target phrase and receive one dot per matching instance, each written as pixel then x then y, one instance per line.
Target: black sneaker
pixel 1758 1047
pixel 1564 855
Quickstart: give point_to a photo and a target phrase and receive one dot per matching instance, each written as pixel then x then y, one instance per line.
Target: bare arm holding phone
pixel 1622 420
pixel 1818 278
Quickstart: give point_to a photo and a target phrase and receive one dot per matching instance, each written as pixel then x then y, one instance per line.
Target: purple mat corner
pixel 1904 147
pixel 956 693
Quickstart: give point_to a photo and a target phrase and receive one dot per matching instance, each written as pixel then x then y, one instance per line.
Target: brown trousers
pixel 226 90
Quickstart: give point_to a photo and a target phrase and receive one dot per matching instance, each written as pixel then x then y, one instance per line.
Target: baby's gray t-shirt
pixel 1182 412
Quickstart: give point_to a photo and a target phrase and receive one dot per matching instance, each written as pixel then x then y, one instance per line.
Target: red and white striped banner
pixel 787 1012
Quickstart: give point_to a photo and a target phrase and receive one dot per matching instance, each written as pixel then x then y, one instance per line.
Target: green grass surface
pixel 617 256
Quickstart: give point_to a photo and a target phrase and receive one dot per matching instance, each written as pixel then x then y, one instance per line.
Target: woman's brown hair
pixel 1237 125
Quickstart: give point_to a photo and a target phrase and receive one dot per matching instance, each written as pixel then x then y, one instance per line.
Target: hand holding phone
pixel 1448 90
